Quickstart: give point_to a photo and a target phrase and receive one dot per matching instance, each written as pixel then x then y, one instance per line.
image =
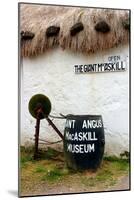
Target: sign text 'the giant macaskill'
pixel 114 64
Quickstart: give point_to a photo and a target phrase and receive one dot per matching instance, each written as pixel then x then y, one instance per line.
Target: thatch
pixel 37 21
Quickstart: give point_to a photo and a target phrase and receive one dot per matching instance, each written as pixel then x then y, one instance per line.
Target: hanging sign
pixel 113 64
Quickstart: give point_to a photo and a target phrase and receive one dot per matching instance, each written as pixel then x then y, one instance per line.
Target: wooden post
pixel 37 128
pixel 55 128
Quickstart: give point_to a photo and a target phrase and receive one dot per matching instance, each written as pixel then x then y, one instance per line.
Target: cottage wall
pixel 103 94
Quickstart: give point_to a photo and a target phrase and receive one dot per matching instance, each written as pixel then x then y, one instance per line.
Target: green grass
pixel 25 159
pixel 50 169
pixel 42 153
pixel 112 168
pixel 52 175
pixel 40 169
pixel 115 158
pixel 101 177
pixel 104 175
pixel 118 163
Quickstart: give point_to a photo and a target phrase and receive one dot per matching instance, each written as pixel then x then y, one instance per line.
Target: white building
pixel 54 39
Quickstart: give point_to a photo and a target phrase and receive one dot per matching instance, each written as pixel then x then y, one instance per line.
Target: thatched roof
pixel 80 29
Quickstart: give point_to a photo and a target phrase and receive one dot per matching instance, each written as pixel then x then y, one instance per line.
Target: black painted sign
pixel 84 141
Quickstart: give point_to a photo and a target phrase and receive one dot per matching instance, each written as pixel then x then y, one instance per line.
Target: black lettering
pixel 122 66
pixel 100 67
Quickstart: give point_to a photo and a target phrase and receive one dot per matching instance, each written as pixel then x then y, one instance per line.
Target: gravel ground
pixel 122 184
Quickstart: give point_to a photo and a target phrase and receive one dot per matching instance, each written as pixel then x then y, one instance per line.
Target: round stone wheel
pixel 39 101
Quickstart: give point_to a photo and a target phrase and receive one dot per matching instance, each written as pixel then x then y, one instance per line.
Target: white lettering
pixel 84 124
pixel 81 136
pixel 82 148
pixel 92 124
pixel 70 123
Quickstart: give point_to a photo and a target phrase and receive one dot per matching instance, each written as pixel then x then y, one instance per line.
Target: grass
pixel 107 175
pixel 40 169
pixel 52 175
pixel 27 153
pixel 25 158
pixel 104 175
pixel 49 171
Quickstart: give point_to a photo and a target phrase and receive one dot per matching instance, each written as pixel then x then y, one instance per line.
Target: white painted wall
pixel 106 94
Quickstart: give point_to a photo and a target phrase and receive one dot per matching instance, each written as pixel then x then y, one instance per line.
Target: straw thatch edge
pixel 35 20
